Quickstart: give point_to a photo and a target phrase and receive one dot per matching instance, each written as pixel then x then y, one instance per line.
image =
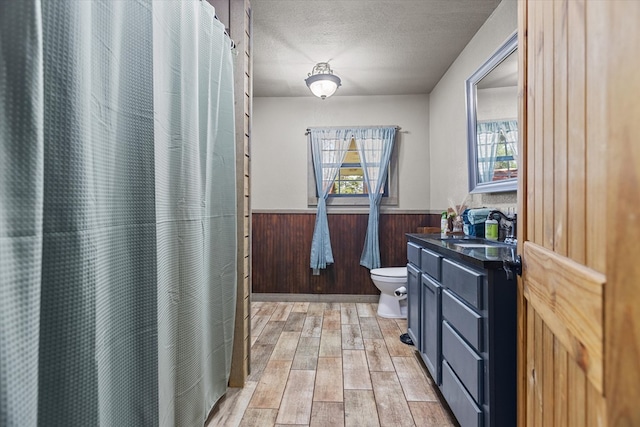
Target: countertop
pixel 487 258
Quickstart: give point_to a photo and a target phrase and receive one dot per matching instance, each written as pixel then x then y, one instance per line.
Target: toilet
pixel 388 280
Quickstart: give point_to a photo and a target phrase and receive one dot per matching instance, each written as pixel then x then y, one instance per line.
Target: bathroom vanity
pixel 462 320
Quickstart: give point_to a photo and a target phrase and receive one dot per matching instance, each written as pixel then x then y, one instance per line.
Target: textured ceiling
pixel 377 47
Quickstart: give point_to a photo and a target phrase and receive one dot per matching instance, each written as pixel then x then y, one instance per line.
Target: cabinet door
pixel 413 304
pixel 431 327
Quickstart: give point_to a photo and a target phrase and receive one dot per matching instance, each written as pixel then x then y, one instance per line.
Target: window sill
pixel 353 202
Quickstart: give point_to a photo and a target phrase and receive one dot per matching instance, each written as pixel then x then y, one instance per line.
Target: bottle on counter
pixel 491 229
pixel 444 225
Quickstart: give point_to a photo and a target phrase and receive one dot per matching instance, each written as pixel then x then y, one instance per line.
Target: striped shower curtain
pixel 117 212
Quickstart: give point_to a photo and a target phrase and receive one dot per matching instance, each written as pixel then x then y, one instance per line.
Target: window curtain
pixel 510 131
pixel 489 134
pixel 488 137
pixel 117 212
pixel 328 150
pixel 375 146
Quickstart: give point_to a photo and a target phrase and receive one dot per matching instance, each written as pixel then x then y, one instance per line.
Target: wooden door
pixel 579 209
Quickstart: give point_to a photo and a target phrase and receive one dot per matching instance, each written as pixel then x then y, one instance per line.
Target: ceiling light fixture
pixel 321 81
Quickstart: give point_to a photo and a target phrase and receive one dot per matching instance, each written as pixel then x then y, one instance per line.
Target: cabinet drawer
pixel 464 319
pixel 464 281
pixel 464 360
pixel 466 411
pixel 430 263
pixel 413 254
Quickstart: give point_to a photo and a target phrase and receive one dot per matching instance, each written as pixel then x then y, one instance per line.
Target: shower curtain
pixel 117 212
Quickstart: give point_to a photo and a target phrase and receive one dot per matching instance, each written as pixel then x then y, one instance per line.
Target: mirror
pixel 492 122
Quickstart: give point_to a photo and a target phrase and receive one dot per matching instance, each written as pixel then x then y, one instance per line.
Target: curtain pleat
pixel 117 212
pixel 196 200
pixel 375 146
pixel 21 199
pixel 328 149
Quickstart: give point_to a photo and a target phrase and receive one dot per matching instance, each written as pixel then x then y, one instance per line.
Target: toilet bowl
pixel 387 280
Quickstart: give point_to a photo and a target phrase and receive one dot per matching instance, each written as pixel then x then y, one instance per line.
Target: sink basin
pixel 474 245
pixel 477 243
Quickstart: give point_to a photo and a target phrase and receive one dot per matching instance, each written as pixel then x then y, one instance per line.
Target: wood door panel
pixel 569 299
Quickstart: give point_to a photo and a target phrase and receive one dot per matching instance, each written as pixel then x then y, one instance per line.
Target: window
pixel 505 166
pixel 349 187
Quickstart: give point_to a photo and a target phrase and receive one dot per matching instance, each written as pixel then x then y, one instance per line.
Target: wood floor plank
pixel 300 307
pixel 364 310
pixel 396 347
pixel 332 306
pixel 328 387
pixel 330 343
pixel 348 314
pixel 312 326
pixel 255 417
pixel 355 370
pixel 258 323
pixel 281 313
pixel 270 388
pixel 231 408
pixel 316 308
pixel 267 308
pixel 402 324
pixel 360 409
pixel 352 337
pixel 306 356
pixel 331 319
pixel 286 346
pixel 296 401
pixel 325 414
pixel 388 326
pixel 378 355
pixel 430 414
pixel 295 322
pixel 370 329
pixel 255 307
pixel 270 333
pixel 260 354
pixel 413 380
pixel 393 409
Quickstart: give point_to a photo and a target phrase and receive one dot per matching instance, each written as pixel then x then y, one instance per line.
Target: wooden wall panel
pixel 622 294
pixel 239 27
pixel 576 131
pixel 282 244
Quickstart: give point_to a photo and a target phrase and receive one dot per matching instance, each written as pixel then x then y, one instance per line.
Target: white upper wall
pixel 279 145
pixel 448 126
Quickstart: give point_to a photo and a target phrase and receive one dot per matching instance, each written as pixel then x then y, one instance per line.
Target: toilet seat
pixel 392 272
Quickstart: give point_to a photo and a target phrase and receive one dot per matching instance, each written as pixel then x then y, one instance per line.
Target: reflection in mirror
pixel 492 126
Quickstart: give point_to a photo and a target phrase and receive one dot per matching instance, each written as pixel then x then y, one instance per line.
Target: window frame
pixel 359 200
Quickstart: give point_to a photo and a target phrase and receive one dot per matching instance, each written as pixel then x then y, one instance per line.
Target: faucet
pixel 511 237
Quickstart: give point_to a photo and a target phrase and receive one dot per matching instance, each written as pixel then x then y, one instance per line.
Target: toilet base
pixel 392 308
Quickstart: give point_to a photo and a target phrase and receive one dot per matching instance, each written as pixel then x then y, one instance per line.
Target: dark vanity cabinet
pixel 467 325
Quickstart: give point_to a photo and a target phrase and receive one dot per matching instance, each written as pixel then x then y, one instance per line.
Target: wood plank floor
pixel 330 364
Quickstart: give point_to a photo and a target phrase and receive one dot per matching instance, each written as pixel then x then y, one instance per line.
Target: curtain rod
pixel 351 127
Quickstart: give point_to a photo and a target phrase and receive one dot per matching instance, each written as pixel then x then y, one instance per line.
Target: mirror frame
pixel 507 48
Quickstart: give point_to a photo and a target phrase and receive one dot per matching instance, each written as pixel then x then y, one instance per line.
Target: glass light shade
pixel 323 85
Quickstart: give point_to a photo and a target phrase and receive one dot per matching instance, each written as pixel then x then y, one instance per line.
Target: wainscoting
pixel 281 246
